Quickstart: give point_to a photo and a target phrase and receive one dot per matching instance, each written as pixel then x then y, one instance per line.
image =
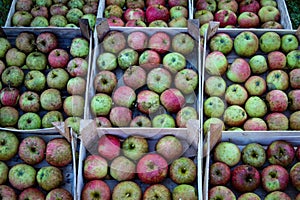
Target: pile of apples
pixel 56 13
pixel 143 13
pixel 239 13
pixel 252 82
pixel 41 81
pixel 255 171
pixel 144 81
pixel 136 167
pixel 33 167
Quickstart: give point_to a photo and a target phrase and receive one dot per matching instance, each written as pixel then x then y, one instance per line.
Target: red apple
pixel 109 146
pixel 249 6
pixel 276 60
pixel 157 12
pixel 225 17
pixel 9 96
pixel 248 20
pixel 172 99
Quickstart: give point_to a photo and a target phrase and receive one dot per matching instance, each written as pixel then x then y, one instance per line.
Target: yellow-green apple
pixel 122 168
pixel 4 172
pixel 140 121
pixel 77 67
pixel 277 121
pixel 101 104
pixel 225 17
pixel 227 152
pixel 255 124
pixel 46 42
pixel 137 40
pixel 57 9
pixel 236 94
pixel 29 120
pixel 280 152
pixel 73 122
pixel 105 82
pixel 221 192
pixel 57 78
pixel 172 99
pixel 235 115
pixel 29 102
pixel 249 6
pixel 25 42
pixel 246 44
pixel 255 106
pixel 59 193
pixel 292 59
pixel 238 71
pixel 173 3
pixel 178 11
pixel 245 178
pixel 124 96
pixel 158 23
pixel 36 61
pixel 15 57
pixel 289 42
pixel 228 5
pixel 215 86
pixel 127 57
pixel 272 25
pixel 148 101
pixel 184 115
pixel 9 96
pixel 269 41
pixel 221 42
pixel 152 168
pixel 7 192
pixel 268 3
pixel 4 47
pixel 60 20
pixel 76 86
pixel 255 85
pixel 135 23
pixel 115 21
pixel 277 80
pixel 170 147
pixel 91 19
pixel 212 120
pixel 134 14
pixel 294 100
pixel 163 121
pixel 157 191
pixel 21 18
pixel 31 193
pixel 39 21
pixel 134 77
pixel 134 147
pixel 35 81
pixel 50 117
pixel 254 154
pixel 277 195
pixel 106 61
pixel 149 59
pixel 73 106
pixel 157 12
pixel 184 191
pixel 114 42
pixel 216 63
pixel 277 100
pixel 276 60
pixel 183 170
pixel 127 190
pixel 203 30
pixel 214 107
pixel 8 146
pixel 160 42
pixel 79 47
pixel 109 146
pixel 153 2
pixel 120 116
pixel 204 16
pixel 102 122
pixel 248 20
pixel 58 152
pixel 9 116
pixel 159 79
pixel 135 4
pixel 96 189
pixel 274 177
pixel 174 62
pixel 219 174
pixel 258 64
pixel 183 43
pixel 21 176
pixel 94 167
pixel 294 120
pixel 178 22
pixel 113 10
pixel 268 13
pixel 210 5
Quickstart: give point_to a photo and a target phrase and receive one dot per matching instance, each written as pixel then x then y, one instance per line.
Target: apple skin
pixel 134 14
pixel 221 192
pixel 212 120
pixel 274 177
pixel 127 190
pixel 22 176
pixel 280 152
pixel 9 145
pixel 46 42
pixel 294 174
pixel 58 9
pixel 178 11
pixel 105 82
pixel 58 152
pixel 204 16
pixel 163 121
pixel 160 42
pixel 77 67
pixel 221 42
pixel 216 63
pixel 137 40
pixel 9 116
pixel 4 172
pixel 135 23
pixel 31 193
pixel 153 2
pixel 9 96
pixel 277 195
pixel 268 13
pixel 249 195
pixel 295 78
pixel 58 58
pixel 122 168
pixel 172 99
pixel 228 5
pixel 214 107
pixel 174 62
pixel 152 168
pixel 294 120
pixel 256 85
pixel 249 6
pixel 39 21
pixel 120 3
pixel 109 146
pixel 292 59
pixel 258 64
pixel 269 41
pixel 246 44
pixel 12 76
pixel 76 86
pixel 35 81
pixel 254 154
pixel 73 106
pixel 289 42
pixel 276 60
pixel 32 149
pixel 255 124
pixel 124 96
pixel 113 10
pixel 272 25
pixel 59 193
pixel 184 115
pixel 209 5
pixel 219 174
pixel 255 106
pixel 173 3
pixel 277 121
pixel 36 61
pixel 29 120
pixel 127 57
pixel 79 47
pixel 96 188
pixel 159 79
pixel 101 104
pixel 114 42
pixel 248 20
pixel 25 42
pixel 186 80
pixel 120 116
pixel 140 121
pixel 134 77
pixel 183 170
pixel 148 101
pixel 60 20
pixel 158 23
pixel 215 86
pixel 238 71
pixel 50 117
pixel 115 21
pixel 277 100
pixel 294 100
pixel 102 122
pixel 157 12
pixel 57 78
pixel 5 46
pixel 236 94
pixel 183 43
pixel 134 147
pixel 227 152
pixel 7 192
pixel 277 80
pixel 170 147
pixel 157 190
pixel 15 57
pixel 149 59
pixel 245 178
pixel 106 61
pixel 21 18
pixel 225 17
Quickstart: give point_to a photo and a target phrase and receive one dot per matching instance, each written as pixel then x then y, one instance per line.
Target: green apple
pixel 183 170
pixel 216 63
pixel 227 152
pixel 101 104
pixel 4 46
pixel 215 86
pixel 36 61
pixel 50 117
pixel 22 176
pixel 74 123
pixel 35 81
pixel 4 172
pixel 15 57
pixel 221 42
pixel 51 99
pixel 106 61
pixel 57 78
pixel 163 121
pixel 212 120
pixel 9 116
pixel 79 47
pixel 214 107
pixel 258 64
pixel 277 79
pixel 134 147
pixel 184 191
pixel 174 62
pixel 49 177
pixel 235 115
pixel 246 44
pixel 29 121
pixel 73 16
pixel 236 94
pixel 58 21
pixel 256 107
pixel 256 85
pixel 12 76
pixel 289 42
pixel 269 41
pixel 127 57
pixel 9 145
pixel 293 59
pixel 39 21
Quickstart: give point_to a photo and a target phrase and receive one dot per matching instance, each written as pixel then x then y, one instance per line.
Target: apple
pixel 294 120
pixel 280 152
pixel 9 96
pixel 236 94
pixel 157 191
pixel 127 190
pixel 58 9
pixel 96 189
pixel 268 13
pixel 122 168
pixel 120 116
pixel 72 122
pixel 106 61
pixel 254 154
pixel 9 116
pixel 4 172
pixel 160 42
pixel 7 192
pixel 76 86
pixel 256 85
pixel 46 42
pixel 221 42
pixel 73 106
pixel 59 193
pixel 179 22
pixel 163 121
pixel 238 71
pixel 127 57
pixel 21 18
pixel 173 3
pixel 276 60
pixel 216 63
pixel 15 57
pixel 137 40
pixel 113 10
pixel 183 43
pixel 277 121
pixel 228 5
pixel 4 47
pixel 134 77
pixel 50 117
pixel 109 146
pixel 115 21
pixel 212 120
pixel 277 194
pixel 124 96
pixel 21 176
pixel 2 66
pixel 58 58
pixel 209 5
pixel 134 14
pixel 235 115
pixel 49 177
pixel 120 3
pixel 158 23
pixel 134 147
pixel 39 21
pixel 24 5
pixel 114 42
pixel 219 174
pixel 32 149
pixel 105 82
pixel 140 121
pixel 12 76
pixel 153 2
pixel 277 80
pixel 248 20
pixel 25 42
pixel 94 167
pixel 58 152
pixel 9 144
pixel 215 86
pixel 225 17
pixel 269 41
pixel 79 47
pixel 31 193
pixel 159 79
pixel 29 102
pixel 246 44
pixel 58 20
pixel 256 107
pixel 135 4
pixel 277 100
pixel 102 122
pixel 101 104
pixel 170 147
pixel 35 81
pixel 249 6
pixel 135 23
pixel 184 191
pixel 57 78
pixel 51 99
pixel 292 59
pixel 255 124
pixel 274 177
pixel 272 25
pixel 40 11
pixel 268 3
pixel 178 11
pixel 184 115
pixel 294 99
pixel 258 64
pixel 227 152
pixel 29 120
pixel 46 3
pixel 245 178
pixel 149 59
pixel 289 42
pixel 172 99
pixel 213 107
pixel 148 101
pixel 183 170
pixel 36 61
pixel 294 175
pixel 152 168
pixel 204 16
pixel 157 12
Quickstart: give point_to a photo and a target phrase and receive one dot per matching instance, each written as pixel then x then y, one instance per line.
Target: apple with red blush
pixel 9 96
pixel 249 6
pixel 157 12
pixel 219 174
pixel 294 100
pixel 277 100
pixel 280 152
pixel 134 14
pixel 228 5
pixel 120 116
pixel 58 58
pixel 274 177
pixel 276 60
pixel 248 20
pixel 109 146
pixel 115 21
pixel 225 17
